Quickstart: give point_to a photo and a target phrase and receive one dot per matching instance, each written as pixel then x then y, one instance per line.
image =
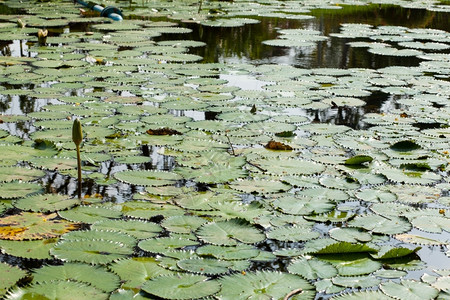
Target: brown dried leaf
pixel 272 145
pixel 33 226
pixel 163 131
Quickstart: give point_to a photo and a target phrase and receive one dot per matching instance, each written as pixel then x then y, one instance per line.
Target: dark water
pixel 243 44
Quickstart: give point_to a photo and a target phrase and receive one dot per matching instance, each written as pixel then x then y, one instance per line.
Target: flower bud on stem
pixel 77 137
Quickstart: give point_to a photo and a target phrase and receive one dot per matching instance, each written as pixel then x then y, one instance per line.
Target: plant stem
pixel 289 295
pixel 79 171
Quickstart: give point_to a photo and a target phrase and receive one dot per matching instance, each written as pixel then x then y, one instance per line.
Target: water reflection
pixel 244 44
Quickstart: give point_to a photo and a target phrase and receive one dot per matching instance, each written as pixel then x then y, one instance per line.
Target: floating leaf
pixel 32 226
pixel 356 281
pixel 148 177
pixel 164 244
pixel 147 210
pixel 240 251
pixel 417 239
pixel 97 277
pixel 312 268
pixel 431 223
pixel 410 289
pixel 259 186
pixel 46 203
pixel 358 159
pixel 93 235
pixel 8 174
pixel 136 228
pixel 373 295
pixel 387 252
pixel 36 249
pixel 90 251
pixel 303 205
pixel 229 233
pixel 137 270
pixel 183 224
pixel 283 167
pixel 355 265
pixel 390 273
pixel 294 233
pixel 18 189
pixel 90 214
pixel 9 275
pixel 181 286
pixel 59 289
pixel 267 284
pixel 379 224
pixel 404 146
pixel 208 266
pixel 351 235
pixel 330 246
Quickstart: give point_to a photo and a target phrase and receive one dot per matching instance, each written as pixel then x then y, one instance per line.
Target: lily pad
pixel 184 286
pixel 9 276
pixel 409 288
pixel 229 233
pixel 32 226
pixel 148 178
pixel 267 284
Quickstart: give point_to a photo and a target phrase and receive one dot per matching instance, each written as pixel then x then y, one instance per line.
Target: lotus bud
pixel 21 23
pixel 42 36
pixel 77 133
pixel 77 137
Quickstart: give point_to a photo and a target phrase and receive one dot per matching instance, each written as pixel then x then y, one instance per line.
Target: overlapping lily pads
pixel 214 200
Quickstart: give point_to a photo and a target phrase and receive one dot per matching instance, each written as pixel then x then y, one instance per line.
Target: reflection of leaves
pixel 27 226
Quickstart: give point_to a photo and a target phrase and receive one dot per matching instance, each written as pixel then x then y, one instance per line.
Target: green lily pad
pixel 237 252
pixel 9 276
pixel 95 276
pixel 17 189
pixel 312 268
pixel 379 224
pixel 136 228
pixel 91 252
pixel 293 233
pixel 148 178
pixel 8 174
pixel 164 244
pixel 59 289
pixel 181 286
pixel 46 203
pixel 90 214
pixel 410 289
pixel 267 284
pixel 229 233
pixel 36 249
pixel 137 270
